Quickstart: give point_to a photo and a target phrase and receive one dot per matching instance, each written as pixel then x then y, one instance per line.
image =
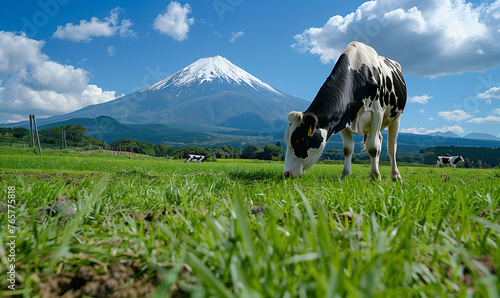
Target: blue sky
pixel 60 55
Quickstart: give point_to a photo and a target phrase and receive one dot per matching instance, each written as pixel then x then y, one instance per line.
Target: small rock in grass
pixel 67 207
pixel 258 209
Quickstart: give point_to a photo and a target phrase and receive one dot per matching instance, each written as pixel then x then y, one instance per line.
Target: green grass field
pixel 139 227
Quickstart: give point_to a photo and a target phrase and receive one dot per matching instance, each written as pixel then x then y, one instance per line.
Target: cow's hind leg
pixel 348 142
pixel 373 146
pixel 392 143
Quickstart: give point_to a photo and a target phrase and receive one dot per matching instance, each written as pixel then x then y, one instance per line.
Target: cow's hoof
pixel 375 177
pixel 344 174
pixel 397 178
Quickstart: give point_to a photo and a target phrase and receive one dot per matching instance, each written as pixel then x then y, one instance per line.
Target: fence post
pixel 32 136
pixel 37 137
pixel 64 140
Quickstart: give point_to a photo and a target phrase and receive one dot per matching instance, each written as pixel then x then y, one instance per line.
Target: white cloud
pixel 494 117
pixel 492 93
pixel 413 130
pixel 457 115
pixel 174 21
pixel 111 50
pixel 31 83
pixel 421 111
pixel 235 36
pixel 423 99
pixel 455 129
pixel 428 37
pixel 108 27
pixel 485 120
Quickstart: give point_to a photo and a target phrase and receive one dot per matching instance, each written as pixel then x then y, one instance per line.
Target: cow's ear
pixel 310 121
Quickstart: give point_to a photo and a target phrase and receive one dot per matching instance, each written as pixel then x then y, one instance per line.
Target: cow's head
pixel 304 141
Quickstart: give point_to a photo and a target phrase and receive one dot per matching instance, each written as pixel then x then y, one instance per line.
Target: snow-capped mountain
pixel 211 91
pixel 212 69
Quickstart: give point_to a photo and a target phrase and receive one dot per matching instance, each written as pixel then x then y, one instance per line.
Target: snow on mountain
pixel 209 69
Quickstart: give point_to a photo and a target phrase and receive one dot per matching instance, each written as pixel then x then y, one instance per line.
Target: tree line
pixel 75 136
pixel 268 152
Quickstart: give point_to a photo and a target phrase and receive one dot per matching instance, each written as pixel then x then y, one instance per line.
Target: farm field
pixel 94 224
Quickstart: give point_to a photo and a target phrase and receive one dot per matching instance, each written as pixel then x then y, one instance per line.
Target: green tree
pixel 146 148
pixel 163 149
pixel 251 152
pixel 272 152
pixel 76 132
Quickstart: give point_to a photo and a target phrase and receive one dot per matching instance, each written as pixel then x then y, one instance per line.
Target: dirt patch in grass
pixel 118 280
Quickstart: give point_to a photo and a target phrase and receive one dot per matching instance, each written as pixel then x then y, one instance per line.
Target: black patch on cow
pixel 389 63
pixel 341 96
pixel 445 160
pixel 399 88
pixel 457 160
pixel 300 142
pixel 385 100
pixel 376 74
pixel 388 83
pixel 392 99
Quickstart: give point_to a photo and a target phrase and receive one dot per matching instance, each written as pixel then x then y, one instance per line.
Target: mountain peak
pixel 212 69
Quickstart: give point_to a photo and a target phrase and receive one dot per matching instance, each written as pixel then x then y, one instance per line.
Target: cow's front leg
pixel 348 142
pixel 373 146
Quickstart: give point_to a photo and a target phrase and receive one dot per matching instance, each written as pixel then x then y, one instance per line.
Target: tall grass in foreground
pixel 240 230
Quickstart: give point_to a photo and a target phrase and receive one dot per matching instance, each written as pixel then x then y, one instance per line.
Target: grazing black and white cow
pixel 197 158
pixel 449 160
pixel 364 94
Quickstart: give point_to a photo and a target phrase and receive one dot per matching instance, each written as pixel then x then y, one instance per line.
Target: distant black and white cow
pixel 449 160
pixel 197 158
pixel 364 94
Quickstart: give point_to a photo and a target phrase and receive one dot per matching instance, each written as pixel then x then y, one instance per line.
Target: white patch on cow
pixel 355 50
pixel 294 121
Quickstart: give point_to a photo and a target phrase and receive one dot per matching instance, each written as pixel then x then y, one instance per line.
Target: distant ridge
pixel 481 136
pixel 447 134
